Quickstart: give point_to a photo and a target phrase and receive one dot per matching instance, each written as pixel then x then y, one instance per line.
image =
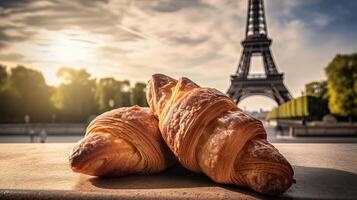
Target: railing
pixel 257 76
pixel 50 128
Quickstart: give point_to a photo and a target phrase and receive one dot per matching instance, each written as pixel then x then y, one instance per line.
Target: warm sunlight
pixel 72 48
pixel 67 49
pixel 257 96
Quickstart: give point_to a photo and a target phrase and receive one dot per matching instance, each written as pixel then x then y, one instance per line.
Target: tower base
pixel 271 86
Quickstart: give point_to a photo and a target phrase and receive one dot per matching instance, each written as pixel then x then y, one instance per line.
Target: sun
pixel 50 50
pixel 68 50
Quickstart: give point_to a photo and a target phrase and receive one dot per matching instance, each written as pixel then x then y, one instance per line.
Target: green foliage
pixel 75 98
pixel 6 96
pixel 317 89
pixel 3 75
pixel 111 93
pixel 23 91
pixel 138 94
pixel 342 85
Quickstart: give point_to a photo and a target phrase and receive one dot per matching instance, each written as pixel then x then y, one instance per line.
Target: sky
pixel 199 39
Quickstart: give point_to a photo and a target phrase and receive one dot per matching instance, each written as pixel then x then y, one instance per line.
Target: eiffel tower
pixel 257 43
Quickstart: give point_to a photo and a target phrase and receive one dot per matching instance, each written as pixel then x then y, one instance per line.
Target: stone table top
pixel 41 171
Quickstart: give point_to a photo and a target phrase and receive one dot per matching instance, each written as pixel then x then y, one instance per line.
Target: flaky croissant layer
pixel 121 142
pixel 208 133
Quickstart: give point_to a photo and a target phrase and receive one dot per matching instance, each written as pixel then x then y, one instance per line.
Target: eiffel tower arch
pixel 257 43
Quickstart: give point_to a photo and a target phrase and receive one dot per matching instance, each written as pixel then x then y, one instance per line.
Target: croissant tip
pixel 158 75
pixel 74 168
pixel 75 161
pixel 275 185
pixel 83 152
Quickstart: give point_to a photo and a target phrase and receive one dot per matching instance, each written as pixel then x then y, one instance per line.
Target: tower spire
pixel 256 23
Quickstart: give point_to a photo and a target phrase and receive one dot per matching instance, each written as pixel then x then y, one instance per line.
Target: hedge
pixel 309 107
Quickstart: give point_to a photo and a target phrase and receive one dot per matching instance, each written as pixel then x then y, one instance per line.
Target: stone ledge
pixel 40 171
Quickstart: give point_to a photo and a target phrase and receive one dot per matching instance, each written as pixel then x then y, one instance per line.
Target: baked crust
pixel 120 142
pixel 208 133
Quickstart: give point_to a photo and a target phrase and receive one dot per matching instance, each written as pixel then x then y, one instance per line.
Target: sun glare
pixel 65 49
pixel 69 48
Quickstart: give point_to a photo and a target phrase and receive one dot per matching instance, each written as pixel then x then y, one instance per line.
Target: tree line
pixel 339 91
pixel 24 92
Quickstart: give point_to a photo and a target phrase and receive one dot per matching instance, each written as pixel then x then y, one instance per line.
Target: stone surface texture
pixel 41 171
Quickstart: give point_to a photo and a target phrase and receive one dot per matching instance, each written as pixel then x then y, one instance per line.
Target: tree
pixel 138 94
pixel 125 95
pixel 75 99
pixel 24 91
pixel 6 96
pixel 342 85
pixel 317 89
pixel 111 93
pixel 28 94
pixel 3 75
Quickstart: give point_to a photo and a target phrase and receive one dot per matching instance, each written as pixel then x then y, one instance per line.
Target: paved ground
pixel 322 171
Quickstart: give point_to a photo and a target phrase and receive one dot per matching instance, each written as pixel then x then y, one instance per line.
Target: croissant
pixel 208 133
pixel 121 142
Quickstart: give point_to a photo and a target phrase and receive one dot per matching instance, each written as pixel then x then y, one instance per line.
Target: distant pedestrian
pixel 32 135
pixel 43 135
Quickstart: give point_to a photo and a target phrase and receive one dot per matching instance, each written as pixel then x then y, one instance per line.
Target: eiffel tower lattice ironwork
pixel 257 43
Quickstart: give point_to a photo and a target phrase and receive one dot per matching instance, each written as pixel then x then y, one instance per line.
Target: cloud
pixel 174 6
pixel 321 20
pixel 189 40
pixel 9 57
pixel 11 33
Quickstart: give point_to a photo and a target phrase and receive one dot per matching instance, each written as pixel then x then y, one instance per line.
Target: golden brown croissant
pixel 121 142
pixel 208 133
